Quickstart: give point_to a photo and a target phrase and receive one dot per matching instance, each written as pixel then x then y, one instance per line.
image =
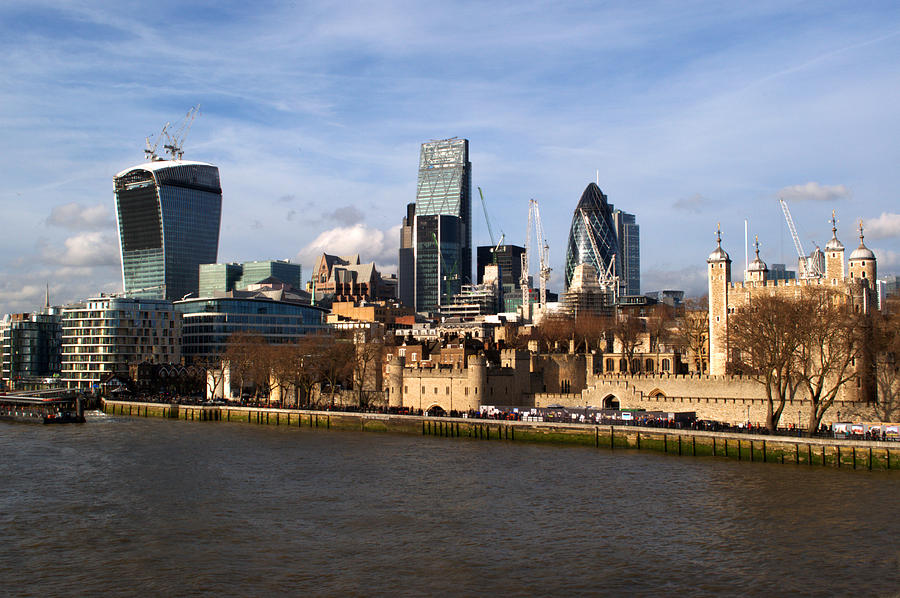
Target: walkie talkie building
pixel 168 214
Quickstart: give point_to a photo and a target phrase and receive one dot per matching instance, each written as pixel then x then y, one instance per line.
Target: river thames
pixel 122 506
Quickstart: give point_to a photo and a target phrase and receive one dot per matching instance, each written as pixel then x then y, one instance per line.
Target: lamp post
pixel 798 423
pixel 748 416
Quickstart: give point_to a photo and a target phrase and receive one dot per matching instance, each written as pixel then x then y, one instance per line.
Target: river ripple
pixel 124 506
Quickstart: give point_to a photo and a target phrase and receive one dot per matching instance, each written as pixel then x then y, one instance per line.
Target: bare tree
pixel 886 355
pixel 831 345
pixel 589 331
pixel 764 336
pixel 336 362
pixel 627 329
pixel 692 332
pixel 242 350
pixel 367 359
pixel 553 330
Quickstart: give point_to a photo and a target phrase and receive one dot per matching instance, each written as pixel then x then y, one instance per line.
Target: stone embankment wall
pixel 718 398
pixel 693 443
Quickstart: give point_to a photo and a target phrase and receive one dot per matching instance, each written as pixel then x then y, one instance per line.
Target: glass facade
pixel 628 257
pixel 168 214
pixel 593 203
pixel 30 346
pixel 208 323
pixel 437 273
pixel 444 188
pixel 221 278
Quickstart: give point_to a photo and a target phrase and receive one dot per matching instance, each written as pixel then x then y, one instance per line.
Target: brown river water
pixel 148 507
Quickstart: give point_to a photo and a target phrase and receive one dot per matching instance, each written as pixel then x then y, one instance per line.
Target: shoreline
pixel 828 452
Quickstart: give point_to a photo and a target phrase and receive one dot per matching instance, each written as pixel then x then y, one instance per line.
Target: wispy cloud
pixel 886 226
pixel 78 217
pixel 813 191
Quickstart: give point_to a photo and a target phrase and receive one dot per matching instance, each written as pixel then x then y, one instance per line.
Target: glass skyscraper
pixel 628 258
pixel 443 211
pixel 594 205
pixel 616 235
pixel 168 214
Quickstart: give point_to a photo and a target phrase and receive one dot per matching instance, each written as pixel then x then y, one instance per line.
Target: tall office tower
pixel 406 271
pixel 628 256
pixel 592 210
pixel 508 258
pixel 444 189
pixel 437 272
pixel 168 213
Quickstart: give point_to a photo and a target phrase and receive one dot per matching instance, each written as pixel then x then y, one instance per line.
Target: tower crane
pixel 809 268
pixel 605 272
pixel 150 151
pixel 534 221
pixel 175 147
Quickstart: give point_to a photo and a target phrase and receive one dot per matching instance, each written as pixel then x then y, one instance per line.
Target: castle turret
pixel 477 381
pixel 719 273
pixel 757 271
pixel 834 256
pixel 862 261
pixel 395 381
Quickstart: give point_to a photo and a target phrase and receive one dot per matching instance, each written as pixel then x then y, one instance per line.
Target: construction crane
pixel 534 221
pixel 150 151
pixel 487 220
pixel 175 147
pixel 809 268
pixel 497 248
pixel 606 275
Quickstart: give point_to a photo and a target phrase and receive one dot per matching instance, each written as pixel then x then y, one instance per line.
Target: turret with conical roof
pixel 834 255
pixel 757 271
pixel 862 260
pixel 719 272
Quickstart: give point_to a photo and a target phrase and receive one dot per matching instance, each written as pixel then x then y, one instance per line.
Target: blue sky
pixel 692 112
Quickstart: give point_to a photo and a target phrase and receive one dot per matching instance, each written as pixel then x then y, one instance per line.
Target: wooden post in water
pixel 679 445
pixel 765 458
pixel 739 449
pixel 666 443
pixel 870 458
pixel 693 446
pixel 612 438
pixel 854 457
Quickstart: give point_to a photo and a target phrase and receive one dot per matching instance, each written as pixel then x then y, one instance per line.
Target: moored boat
pixel 66 409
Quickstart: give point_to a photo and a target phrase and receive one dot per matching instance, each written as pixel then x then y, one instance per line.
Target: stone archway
pixel 435 411
pixel 611 402
pixel 657 394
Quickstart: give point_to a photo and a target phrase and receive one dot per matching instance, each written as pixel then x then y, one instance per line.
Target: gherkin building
pixel 594 205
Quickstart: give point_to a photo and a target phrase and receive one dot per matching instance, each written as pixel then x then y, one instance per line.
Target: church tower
pixel 719 273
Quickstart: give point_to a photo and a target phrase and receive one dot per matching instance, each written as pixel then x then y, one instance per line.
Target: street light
pixel 748 415
pixel 798 422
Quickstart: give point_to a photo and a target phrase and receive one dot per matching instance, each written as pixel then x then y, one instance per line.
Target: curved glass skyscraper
pixel 168 214
pixel 594 206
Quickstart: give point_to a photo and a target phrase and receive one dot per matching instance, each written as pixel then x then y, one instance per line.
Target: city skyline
pixel 693 114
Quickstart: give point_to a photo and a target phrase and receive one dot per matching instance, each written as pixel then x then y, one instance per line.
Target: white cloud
pixel 886 258
pixel 813 191
pixel 885 226
pixel 77 217
pixel 85 249
pixel 370 243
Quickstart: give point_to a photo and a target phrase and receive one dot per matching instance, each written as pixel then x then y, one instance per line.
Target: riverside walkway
pixel 829 452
